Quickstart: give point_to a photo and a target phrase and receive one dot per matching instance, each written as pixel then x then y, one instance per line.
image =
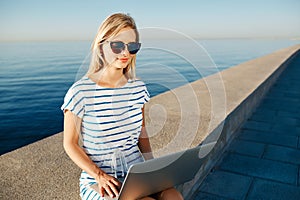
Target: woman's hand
pixel 108 184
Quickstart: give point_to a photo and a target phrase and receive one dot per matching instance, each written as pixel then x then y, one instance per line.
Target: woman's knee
pixel 170 194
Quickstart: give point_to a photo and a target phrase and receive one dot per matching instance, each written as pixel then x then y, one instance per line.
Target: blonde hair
pixel 110 27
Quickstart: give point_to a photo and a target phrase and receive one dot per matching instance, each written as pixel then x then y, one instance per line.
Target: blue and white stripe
pixel 111 121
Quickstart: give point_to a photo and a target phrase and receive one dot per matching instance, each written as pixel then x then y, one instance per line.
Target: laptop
pixel 152 176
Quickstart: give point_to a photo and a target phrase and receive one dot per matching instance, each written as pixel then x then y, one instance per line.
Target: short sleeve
pixel 74 101
pixel 146 94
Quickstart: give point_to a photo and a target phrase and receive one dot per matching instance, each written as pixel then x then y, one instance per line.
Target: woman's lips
pixel 123 60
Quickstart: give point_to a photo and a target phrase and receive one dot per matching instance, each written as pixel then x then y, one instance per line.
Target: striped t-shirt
pixel 111 122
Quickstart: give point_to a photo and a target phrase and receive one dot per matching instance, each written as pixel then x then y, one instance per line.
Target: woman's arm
pixel 72 127
pixel 144 143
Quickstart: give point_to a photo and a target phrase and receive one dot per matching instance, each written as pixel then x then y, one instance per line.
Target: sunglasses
pixel 118 46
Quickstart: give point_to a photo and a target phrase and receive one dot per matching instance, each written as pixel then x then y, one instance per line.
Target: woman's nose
pixel 125 52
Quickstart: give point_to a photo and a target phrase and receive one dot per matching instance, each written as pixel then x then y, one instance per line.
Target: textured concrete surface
pixel 40 170
pixel 263 162
pixel 176 120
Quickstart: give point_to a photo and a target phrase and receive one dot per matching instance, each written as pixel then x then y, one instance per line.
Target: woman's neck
pixel 110 77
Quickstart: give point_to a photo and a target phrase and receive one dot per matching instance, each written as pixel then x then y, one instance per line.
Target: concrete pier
pixel 263 162
pixel 224 102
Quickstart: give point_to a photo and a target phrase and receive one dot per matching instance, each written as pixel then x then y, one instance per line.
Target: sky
pixel 28 20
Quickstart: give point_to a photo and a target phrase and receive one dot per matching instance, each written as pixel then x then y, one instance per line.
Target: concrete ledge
pixel 176 120
pixel 245 85
pixel 40 170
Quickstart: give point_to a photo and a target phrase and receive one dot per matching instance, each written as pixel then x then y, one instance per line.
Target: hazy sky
pixel 79 20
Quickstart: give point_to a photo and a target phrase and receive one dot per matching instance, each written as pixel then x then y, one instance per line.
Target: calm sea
pixel 35 76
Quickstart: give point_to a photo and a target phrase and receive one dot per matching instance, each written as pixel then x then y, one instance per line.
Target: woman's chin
pixel 121 65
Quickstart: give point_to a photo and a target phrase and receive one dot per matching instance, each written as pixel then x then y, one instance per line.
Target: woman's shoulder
pixel 82 84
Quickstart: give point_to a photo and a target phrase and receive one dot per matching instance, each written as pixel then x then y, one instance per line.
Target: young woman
pixel 104 111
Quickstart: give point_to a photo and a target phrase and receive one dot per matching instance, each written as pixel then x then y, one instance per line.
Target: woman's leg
pixel 147 198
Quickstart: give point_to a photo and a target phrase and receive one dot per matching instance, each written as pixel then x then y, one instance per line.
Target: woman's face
pixel 121 60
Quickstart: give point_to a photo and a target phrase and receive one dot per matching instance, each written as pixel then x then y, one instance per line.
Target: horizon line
pixel 153 38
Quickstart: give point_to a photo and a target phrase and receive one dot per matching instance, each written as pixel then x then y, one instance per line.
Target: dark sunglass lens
pixel 133 47
pixel 117 47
